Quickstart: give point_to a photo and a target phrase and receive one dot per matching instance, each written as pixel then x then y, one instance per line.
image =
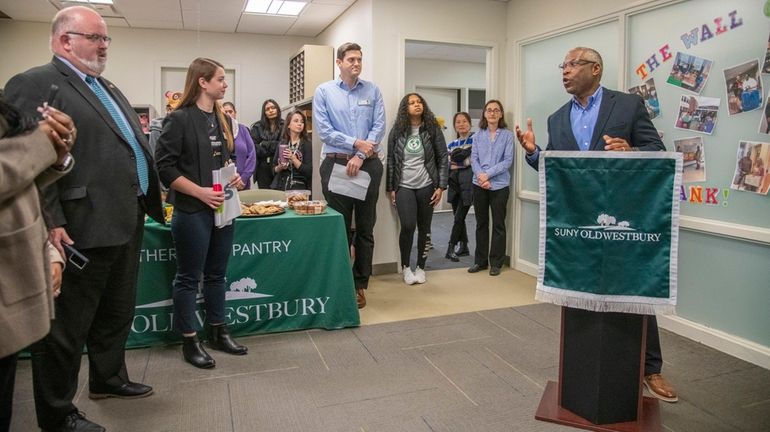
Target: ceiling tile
pixel 209 21
pixel 150 10
pixel 156 24
pixel 29 10
pixel 315 18
pixel 265 24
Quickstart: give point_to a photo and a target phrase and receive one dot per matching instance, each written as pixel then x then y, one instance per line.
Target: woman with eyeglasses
pixel 491 159
pixel 266 133
pixel 416 178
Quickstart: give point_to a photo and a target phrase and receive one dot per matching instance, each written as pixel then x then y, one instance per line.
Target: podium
pixel 601 367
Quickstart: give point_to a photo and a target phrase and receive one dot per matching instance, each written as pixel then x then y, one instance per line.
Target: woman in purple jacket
pixel 245 155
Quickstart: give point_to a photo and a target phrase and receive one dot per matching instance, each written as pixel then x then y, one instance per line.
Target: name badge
pixel 364 102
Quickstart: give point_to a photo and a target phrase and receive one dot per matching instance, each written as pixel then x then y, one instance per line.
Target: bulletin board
pixel 694 52
pixel 721 36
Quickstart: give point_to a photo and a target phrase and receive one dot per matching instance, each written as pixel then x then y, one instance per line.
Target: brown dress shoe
pixel 360 298
pixel 660 388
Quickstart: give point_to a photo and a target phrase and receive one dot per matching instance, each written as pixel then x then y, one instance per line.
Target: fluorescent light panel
pixel 274 7
pixel 90 1
pixel 291 8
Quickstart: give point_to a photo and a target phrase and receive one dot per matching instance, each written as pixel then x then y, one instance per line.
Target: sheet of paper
pixel 354 187
pixel 231 207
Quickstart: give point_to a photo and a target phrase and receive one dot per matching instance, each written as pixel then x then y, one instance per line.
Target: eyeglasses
pixel 572 64
pixel 492 111
pixel 93 37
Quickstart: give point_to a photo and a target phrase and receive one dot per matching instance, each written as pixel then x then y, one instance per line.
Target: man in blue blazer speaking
pixel 600 119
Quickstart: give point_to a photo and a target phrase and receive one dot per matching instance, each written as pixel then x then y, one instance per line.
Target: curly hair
pixel 402 124
pixel 15 122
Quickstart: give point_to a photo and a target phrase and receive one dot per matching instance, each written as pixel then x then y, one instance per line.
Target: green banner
pixel 286 272
pixel 609 230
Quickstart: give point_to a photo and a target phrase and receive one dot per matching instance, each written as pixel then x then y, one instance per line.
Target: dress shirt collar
pixel 71 66
pixel 594 98
pixel 341 84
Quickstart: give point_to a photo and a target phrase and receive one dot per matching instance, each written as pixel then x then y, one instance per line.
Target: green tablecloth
pixel 287 272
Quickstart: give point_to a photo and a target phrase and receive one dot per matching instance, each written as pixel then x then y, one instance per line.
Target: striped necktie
pixel 128 135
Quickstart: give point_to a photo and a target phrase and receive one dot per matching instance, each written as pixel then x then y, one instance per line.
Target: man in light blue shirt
pixel 349 116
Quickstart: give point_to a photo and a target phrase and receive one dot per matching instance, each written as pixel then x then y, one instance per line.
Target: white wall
pixel 453 21
pixel 136 55
pixel 448 74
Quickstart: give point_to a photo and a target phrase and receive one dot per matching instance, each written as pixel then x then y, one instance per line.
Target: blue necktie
pixel 141 162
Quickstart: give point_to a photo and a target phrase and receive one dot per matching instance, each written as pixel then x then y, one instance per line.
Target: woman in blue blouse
pixel 491 158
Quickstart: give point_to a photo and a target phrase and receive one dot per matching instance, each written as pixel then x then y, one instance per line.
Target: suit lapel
pixel 568 137
pixel 89 95
pixel 608 103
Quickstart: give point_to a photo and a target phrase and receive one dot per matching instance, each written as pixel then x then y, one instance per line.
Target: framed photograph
pixel 689 72
pixel 751 167
pixel 694 158
pixel 649 94
pixel 766 65
pixel 764 121
pixel 697 113
pixel 744 87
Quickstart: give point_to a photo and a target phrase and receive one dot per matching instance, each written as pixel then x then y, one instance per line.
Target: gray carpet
pixel 481 371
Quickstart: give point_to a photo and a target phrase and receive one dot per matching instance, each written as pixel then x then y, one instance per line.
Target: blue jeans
pixel 202 251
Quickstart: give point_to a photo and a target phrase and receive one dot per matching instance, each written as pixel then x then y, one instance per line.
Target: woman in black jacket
pixel 266 133
pixel 294 168
pixel 460 192
pixel 196 140
pixel 416 177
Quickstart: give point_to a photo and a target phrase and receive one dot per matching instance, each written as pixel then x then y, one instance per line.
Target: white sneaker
pixel 408 276
pixel 419 275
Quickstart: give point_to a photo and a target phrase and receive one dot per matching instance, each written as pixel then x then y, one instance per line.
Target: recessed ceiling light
pixel 274 7
pixel 90 1
pixel 257 6
pixel 291 8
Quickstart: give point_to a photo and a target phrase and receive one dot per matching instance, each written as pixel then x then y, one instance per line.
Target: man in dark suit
pixel 99 208
pixel 599 119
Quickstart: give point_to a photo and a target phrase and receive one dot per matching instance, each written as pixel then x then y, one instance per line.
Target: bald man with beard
pixel 99 208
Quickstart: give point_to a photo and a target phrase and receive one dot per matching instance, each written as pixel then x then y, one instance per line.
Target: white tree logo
pixel 609 223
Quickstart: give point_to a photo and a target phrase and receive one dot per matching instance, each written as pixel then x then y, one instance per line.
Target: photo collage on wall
pixel 698 113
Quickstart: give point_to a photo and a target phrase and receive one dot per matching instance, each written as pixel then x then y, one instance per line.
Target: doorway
pixel 451 78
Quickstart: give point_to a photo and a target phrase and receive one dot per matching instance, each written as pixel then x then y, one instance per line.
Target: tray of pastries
pixel 293 196
pixel 314 207
pixel 262 208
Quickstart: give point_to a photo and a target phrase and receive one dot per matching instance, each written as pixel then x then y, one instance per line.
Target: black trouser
pixel 496 201
pixel 653 358
pixel 263 173
pixel 7 380
pixel 459 230
pixel 202 252
pixel 95 309
pixel 365 213
pixel 414 210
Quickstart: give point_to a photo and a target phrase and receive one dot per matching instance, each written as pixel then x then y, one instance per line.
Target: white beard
pixel 97 65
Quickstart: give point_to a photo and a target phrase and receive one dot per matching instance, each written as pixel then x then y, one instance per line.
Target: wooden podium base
pixel 550 411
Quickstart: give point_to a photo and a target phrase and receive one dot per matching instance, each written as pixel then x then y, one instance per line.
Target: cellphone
pixel 52 92
pixel 74 256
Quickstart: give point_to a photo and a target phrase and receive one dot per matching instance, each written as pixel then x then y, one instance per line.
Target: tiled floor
pixel 476 359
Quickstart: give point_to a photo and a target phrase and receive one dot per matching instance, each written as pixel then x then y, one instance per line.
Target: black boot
pixel 450 253
pixel 193 352
pixel 461 249
pixel 220 339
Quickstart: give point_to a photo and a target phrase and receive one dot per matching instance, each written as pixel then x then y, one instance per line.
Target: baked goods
pixel 294 196
pixel 310 207
pixel 260 209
